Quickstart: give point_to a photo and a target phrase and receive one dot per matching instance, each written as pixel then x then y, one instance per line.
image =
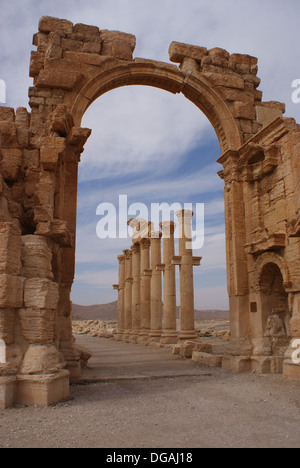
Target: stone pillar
pixel 136 275
pixel 186 261
pixel 170 334
pixel 128 294
pixel 156 287
pixel 145 291
pixel 291 365
pixel 120 288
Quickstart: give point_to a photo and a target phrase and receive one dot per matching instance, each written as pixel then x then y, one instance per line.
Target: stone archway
pixel 72 67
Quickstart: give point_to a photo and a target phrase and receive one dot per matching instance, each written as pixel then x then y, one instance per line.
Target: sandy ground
pixel 136 406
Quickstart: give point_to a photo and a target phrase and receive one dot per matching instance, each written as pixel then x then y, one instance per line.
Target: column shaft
pixel 170 335
pixel 145 290
pixel 121 287
pixel 128 294
pixel 187 316
pixel 136 275
pixel 156 287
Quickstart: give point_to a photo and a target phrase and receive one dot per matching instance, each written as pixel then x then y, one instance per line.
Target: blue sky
pixel 147 143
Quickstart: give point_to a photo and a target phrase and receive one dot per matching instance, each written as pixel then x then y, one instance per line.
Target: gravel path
pixel 212 409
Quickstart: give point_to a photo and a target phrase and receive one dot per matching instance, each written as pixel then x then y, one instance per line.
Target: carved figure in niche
pixel 278 330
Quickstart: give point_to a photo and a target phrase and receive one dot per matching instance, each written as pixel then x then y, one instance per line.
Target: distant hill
pixel 109 312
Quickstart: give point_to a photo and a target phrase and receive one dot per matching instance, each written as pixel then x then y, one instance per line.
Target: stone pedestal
pixel 169 334
pixel 7 391
pixel 42 390
pixel 156 287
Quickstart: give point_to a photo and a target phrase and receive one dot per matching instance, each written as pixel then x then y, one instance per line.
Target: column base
pixel 119 335
pixel 187 335
pixel 155 336
pixel 169 338
pixel 126 336
pixel 7 392
pixel 42 390
pixel 143 337
pixel 133 338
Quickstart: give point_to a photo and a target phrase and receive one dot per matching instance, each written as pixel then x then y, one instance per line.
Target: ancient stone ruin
pixel 72 66
pixel 140 305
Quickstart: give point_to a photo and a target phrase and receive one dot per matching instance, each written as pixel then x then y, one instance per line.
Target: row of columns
pixel 146 312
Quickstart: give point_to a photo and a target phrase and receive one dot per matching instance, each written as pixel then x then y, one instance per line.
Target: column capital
pixel 121 258
pixel 184 215
pixel 156 235
pixel 135 248
pixel 127 253
pixel 168 228
pixel 145 243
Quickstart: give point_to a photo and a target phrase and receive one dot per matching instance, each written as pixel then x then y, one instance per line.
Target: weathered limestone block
pixel 31 158
pixel 7 324
pixel 37 60
pixel 11 291
pixel 85 30
pixel 42 359
pixel 38 325
pixel 206 359
pixel 52 148
pixel 11 161
pixel 42 390
pixel 228 81
pixel 7 114
pixel 8 135
pixel 61 122
pixel 48 24
pixel 179 51
pixel 7 391
pixel 244 110
pixel 118 44
pixel 53 52
pixel 59 78
pixel 10 248
pixel 36 257
pixel 71 45
pixel 58 231
pixel 22 126
pixel 44 198
pixel 40 294
pixel 267 112
pixel 242 63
